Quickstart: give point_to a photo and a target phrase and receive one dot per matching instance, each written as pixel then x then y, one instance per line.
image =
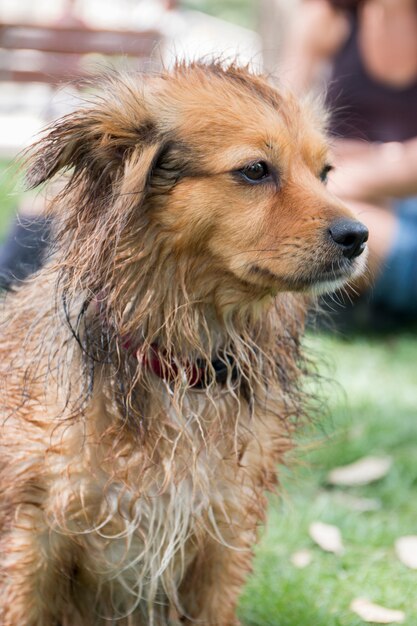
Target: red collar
pixel 196 373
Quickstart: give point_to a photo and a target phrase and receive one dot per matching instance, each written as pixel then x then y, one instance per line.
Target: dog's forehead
pixel 227 100
pixel 243 118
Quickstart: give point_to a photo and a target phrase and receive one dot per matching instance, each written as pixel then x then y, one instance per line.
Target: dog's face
pixel 226 167
pixel 256 197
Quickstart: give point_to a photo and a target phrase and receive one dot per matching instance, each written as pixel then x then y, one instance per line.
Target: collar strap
pixel 196 372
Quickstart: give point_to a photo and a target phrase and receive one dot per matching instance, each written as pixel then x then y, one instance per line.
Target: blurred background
pixel 336 534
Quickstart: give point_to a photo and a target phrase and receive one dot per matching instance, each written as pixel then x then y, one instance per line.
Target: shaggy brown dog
pixel 151 371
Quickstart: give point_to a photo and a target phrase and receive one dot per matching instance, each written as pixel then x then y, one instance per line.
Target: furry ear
pixel 93 141
pixel 64 144
pixel 111 150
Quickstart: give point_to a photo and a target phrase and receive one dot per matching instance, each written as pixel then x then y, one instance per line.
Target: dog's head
pixel 224 171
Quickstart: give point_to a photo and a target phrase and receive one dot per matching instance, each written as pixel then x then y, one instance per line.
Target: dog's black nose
pixel 350 236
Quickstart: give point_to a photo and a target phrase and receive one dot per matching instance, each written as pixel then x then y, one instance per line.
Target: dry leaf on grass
pixel 376 614
pixel 328 537
pixel 301 558
pixel 361 472
pixel 354 503
pixel 406 549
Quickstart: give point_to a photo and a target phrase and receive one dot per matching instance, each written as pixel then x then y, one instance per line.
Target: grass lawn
pixel 372 410
pixel 9 182
pixel 241 12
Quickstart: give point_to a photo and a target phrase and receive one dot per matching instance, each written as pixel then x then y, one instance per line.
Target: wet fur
pixel 126 499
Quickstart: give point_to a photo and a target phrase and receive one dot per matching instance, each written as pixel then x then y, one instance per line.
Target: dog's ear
pixel 93 143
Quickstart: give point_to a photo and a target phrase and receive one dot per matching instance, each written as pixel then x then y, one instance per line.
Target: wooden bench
pixel 60 53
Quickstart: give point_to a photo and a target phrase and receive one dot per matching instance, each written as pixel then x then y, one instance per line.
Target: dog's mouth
pixel 327 283
pixel 315 279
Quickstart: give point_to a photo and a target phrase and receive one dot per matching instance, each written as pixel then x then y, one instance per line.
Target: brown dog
pixel 151 371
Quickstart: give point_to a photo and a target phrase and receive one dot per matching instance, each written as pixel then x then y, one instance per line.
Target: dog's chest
pixel 204 472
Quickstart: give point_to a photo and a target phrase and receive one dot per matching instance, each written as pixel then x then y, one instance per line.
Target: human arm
pixel 316 33
pixel 375 172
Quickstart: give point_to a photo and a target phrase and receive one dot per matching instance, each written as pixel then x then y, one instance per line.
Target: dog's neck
pixel 197 373
pixel 193 312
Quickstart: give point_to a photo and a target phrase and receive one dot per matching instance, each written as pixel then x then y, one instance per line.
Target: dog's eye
pixel 325 173
pixel 255 172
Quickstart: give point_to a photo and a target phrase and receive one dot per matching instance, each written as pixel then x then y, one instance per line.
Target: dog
pixel 152 371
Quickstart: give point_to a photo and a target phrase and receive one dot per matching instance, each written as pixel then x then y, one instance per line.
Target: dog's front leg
pixel 33 578
pixel 214 580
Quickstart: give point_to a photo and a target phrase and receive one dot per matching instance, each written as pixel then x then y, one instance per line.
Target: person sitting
pixel 369 48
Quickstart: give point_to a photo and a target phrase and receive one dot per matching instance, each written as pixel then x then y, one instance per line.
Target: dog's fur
pixel 130 498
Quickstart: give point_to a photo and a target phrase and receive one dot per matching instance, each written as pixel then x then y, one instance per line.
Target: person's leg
pixel 385 297
pixel 23 251
pixel 383 226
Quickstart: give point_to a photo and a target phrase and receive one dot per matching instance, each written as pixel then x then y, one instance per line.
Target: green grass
pixel 375 414
pixel 9 197
pixel 241 12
